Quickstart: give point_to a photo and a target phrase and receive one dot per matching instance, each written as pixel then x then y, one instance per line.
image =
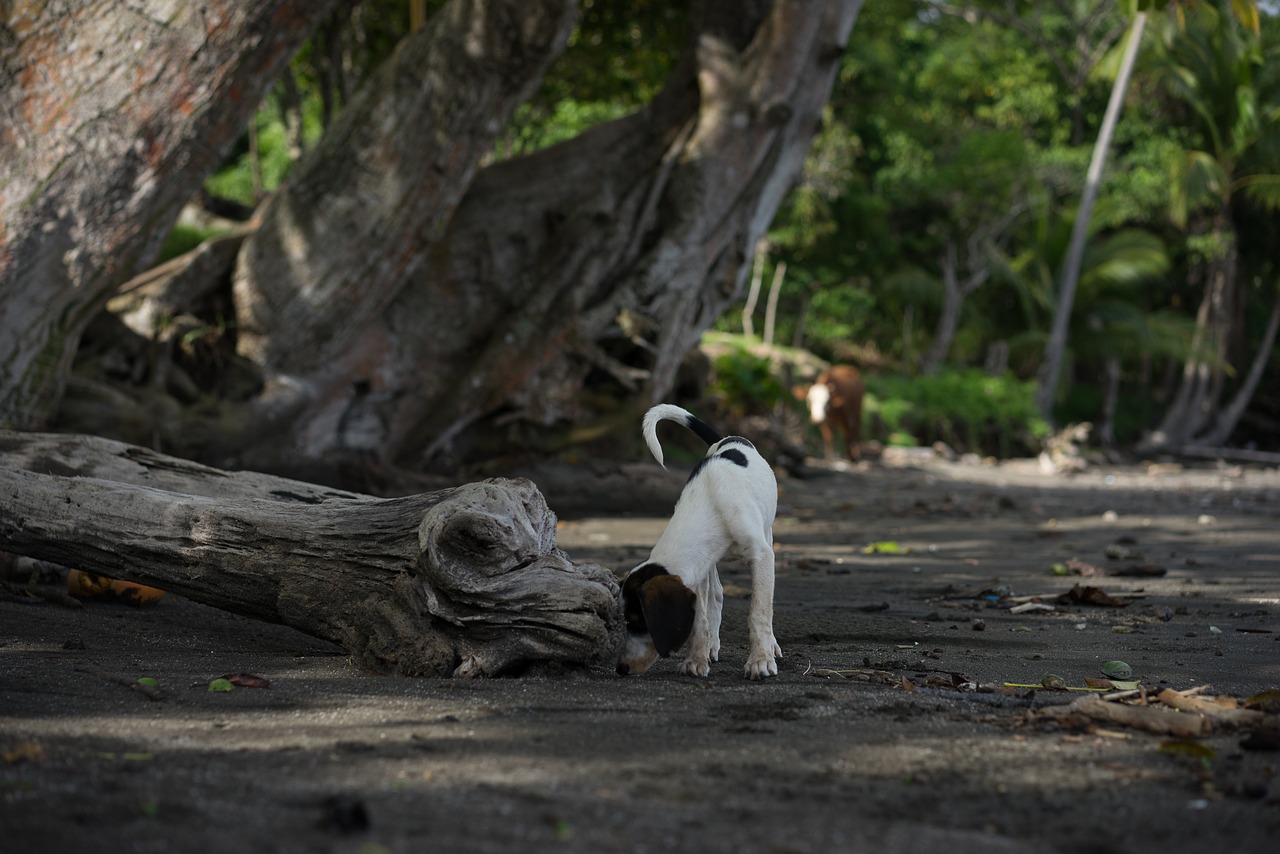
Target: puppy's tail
pixel 670 412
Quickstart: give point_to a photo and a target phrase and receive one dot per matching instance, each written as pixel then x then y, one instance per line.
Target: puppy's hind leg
pixel 715 610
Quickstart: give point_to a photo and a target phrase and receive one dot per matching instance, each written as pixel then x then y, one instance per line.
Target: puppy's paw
pixel 760 666
pixel 714 655
pixel 699 666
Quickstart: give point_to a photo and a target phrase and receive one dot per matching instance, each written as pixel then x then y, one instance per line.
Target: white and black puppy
pixel 676 596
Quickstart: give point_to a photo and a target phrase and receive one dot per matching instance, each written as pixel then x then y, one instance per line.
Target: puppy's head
pixel 658 609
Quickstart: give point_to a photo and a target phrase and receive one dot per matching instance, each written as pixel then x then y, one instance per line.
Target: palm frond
pixel 1262 190
pixel 1198 179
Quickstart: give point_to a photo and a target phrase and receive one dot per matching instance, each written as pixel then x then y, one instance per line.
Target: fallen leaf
pixel 886 547
pixel 1087 595
pixel 25 751
pixel 1189 749
pixel 1116 670
pixel 221 686
pixel 84 585
pixel 246 680
pixel 87 585
pixel 1081 568
pixel 1265 701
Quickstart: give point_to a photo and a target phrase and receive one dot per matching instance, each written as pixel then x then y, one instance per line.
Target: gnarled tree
pixel 395 292
pixel 111 113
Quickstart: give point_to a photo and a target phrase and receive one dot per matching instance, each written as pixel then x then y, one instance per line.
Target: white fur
pixel 819 398
pixel 725 507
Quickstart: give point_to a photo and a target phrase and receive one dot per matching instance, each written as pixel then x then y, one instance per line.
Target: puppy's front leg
pixel 763 648
pixel 698 660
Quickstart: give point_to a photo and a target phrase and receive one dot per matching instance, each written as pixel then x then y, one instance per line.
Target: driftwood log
pixel 465 581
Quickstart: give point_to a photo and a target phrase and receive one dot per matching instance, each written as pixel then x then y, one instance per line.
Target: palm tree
pixel 1047 383
pixel 1246 12
pixel 1109 329
pixel 1213 67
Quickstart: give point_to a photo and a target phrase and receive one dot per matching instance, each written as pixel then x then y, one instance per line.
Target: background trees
pixel 456 254
pixel 405 280
pixel 928 81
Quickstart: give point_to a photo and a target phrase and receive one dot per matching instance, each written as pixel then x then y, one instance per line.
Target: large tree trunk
pixel 358 218
pixel 1224 424
pixel 110 116
pixel 466 581
pixel 611 252
pixel 1204 372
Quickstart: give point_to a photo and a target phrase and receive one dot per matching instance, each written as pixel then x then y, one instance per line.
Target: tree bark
pixel 466 581
pixel 1204 372
pixel 356 220
pixel 954 293
pixel 613 250
pixel 753 292
pixel 1106 432
pixel 1229 416
pixel 771 304
pixel 111 113
pixel 648 223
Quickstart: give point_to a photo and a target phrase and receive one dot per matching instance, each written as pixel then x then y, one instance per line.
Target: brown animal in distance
pixel 835 403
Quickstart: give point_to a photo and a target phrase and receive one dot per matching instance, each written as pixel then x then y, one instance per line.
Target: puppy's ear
pixel 668 611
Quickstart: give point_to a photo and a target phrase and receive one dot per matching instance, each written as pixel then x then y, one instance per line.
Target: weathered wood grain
pixel 465 581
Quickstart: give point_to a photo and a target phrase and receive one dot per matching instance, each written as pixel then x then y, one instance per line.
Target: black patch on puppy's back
pixel 733 455
pixel 698 469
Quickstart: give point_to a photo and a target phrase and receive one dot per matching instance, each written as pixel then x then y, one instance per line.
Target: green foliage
pixel 745 383
pixel 532 129
pixel 183 239
pixel 839 315
pixel 968 410
pixel 235 180
pixel 618 57
pixel 944 122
